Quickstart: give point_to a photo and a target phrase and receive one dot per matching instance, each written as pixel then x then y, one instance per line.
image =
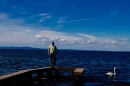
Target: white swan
pixel 111 74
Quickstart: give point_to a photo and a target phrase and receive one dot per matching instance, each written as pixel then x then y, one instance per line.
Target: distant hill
pixel 28 48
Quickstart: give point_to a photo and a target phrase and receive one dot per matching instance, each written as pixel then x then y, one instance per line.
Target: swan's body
pixel 111 74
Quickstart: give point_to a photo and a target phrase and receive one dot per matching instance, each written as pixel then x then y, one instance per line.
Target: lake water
pixel 96 64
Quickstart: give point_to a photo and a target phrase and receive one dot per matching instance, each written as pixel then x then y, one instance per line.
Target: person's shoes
pixel 55 66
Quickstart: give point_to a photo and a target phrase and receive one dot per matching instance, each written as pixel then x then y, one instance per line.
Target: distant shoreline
pixel 32 48
pixel 29 48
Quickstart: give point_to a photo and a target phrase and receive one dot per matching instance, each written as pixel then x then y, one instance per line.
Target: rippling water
pixel 96 64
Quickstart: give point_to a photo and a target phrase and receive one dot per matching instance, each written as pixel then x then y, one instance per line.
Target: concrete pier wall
pixel 32 75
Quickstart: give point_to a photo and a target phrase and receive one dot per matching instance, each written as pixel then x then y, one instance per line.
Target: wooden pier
pixel 32 75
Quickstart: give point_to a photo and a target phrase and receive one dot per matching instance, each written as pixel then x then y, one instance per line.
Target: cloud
pixel 123 39
pixel 5 20
pixel 53 35
pixel 27 30
pixel 23 36
pixel 87 36
pixel 62 20
pixel 84 41
pixel 77 20
pixel 14 34
pixel 44 16
pixel 3 16
pixel 38 36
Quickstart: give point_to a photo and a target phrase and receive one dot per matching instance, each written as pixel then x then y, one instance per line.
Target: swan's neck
pixel 114 71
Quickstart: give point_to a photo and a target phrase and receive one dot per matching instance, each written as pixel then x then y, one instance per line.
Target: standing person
pixel 52 51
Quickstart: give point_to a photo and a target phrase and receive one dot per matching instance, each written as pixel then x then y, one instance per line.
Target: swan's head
pixel 115 68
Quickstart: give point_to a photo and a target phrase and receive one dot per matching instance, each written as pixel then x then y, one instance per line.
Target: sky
pixel 71 24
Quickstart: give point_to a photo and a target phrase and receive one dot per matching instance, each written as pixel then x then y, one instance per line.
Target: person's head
pixel 52 43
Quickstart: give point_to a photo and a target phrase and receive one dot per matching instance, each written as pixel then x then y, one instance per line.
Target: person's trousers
pixel 52 59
